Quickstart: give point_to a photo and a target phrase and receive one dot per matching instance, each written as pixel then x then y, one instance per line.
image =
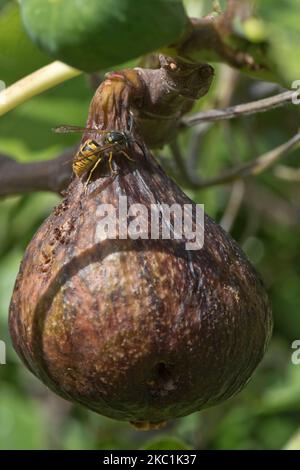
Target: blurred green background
pixel 266 415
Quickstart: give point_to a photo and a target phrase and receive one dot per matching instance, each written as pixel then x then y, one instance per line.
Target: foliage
pixel 266 415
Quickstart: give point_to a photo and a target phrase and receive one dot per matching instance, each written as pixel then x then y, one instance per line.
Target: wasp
pixel 90 154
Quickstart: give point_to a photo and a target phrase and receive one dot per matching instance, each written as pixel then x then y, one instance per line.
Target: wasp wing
pixel 66 129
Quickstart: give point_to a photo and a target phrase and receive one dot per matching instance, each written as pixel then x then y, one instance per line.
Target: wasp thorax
pixel 117 137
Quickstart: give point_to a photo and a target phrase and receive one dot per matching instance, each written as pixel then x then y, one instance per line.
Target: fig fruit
pixel 137 329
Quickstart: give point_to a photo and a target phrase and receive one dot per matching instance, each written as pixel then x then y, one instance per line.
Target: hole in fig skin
pixel 161 379
pixel 161 372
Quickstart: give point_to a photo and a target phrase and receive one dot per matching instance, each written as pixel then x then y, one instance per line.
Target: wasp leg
pixel 140 147
pixel 126 155
pixel 91 172
pixel 113 172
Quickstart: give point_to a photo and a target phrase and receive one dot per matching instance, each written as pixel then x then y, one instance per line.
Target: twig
pixel 215 39
pixel 194 148
pixel 245 109
pixel 255 167
pixel 50 175
pixel 261 201
pixel 181 168
pixel 287 173
pixel 233 206
pixel 35 83
pixel 166 93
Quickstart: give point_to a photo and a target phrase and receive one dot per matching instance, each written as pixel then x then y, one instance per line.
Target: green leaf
pixel 166 443
pixel 96 34
pixel 18 55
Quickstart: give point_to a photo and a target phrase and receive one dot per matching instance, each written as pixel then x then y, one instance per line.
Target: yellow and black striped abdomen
pixel 86 157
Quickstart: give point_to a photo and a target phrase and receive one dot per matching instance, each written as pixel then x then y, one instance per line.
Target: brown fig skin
pixel 137 330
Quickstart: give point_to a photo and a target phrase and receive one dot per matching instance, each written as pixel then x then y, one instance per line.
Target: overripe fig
pixel 140 330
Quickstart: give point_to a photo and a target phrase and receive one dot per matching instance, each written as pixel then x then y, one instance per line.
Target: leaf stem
pixel 37 82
